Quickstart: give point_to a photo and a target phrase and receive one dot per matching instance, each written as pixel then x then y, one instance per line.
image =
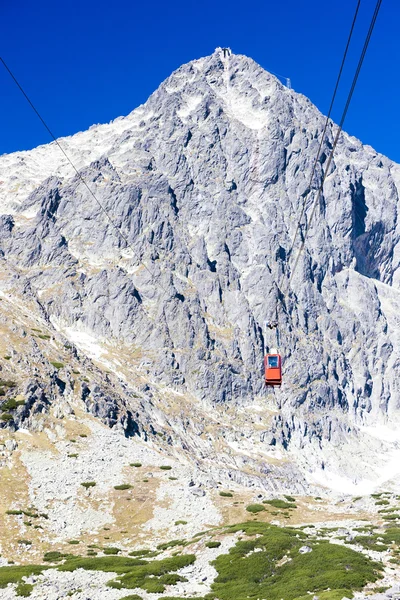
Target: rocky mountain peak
pixel 164 271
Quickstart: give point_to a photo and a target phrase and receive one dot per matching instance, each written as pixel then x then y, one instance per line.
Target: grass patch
pixel 53 556
pixel 14 574
pixel 56 364
pixel 24 589
pixel 180 522
pixel 165 467
pixel 25 542
pixel 280 504
pixel 73 542
pixel 171 544
pixel 110 550
pixel 289 498
pixel 250 568
pixel 226 494
pixel 88 484
pixel 123 486
pixel 255 508
pixel 6 417
pixel 137 465
pixel 213 544
pixel 134 573
pixel 74 455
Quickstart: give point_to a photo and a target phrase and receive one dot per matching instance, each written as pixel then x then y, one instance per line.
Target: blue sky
pixel 89 62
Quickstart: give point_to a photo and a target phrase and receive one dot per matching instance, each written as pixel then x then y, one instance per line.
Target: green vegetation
pixel 12 404
pixel 132 597
pixel 382 502
pixel 255 508
pixel 88 484
pixel 6 417
pixel 110 550
pixel 173 478
pixel 53 556
pixel 370 542
pixel 73 542
pixel 171 544
pixel 25 542
pixel 24 589
pixel 151 576
pixel 72 455
pixel 14 574
pixel 7 357
pixel 56 364
pixel 226 494
pixel 123 486
pixel 181 522
pixel 43 336
pixel 137 465
pixel 213 544
pixel 289 498
pixel 243 573
pixel 7 383
pixel 165 468
pixel 280 503
pixel 14 512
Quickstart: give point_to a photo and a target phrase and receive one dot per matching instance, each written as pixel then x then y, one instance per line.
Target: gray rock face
pixel 206 182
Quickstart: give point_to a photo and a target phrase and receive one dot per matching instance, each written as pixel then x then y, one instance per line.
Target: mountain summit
pixel 206 183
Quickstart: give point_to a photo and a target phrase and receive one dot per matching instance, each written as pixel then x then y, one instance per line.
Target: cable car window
pixel 273 361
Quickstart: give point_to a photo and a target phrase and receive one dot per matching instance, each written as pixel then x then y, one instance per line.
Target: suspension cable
pixel 78 173
pixel 324 130
pixel 349 97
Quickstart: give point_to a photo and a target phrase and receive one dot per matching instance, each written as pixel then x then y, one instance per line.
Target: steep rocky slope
pixel 206 181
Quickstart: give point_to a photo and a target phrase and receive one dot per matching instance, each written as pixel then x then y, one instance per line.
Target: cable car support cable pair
pixel 273 375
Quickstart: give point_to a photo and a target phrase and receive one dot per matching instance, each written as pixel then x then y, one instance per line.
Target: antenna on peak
pixel 226 52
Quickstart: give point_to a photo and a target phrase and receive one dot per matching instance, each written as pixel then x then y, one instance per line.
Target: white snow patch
pixel 86 342
pixel 192 103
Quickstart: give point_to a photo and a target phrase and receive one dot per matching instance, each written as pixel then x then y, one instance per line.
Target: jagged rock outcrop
pixel 206 182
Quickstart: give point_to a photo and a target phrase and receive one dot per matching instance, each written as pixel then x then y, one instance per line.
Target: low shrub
pixel 123 486
pixel 226 494
pixel 276 503
pixel 137 465
pixel 88 484
pixel 213 544
pixel 25 542
pixel 165 468
pixel 56 364
pixel 6 417
pixel 24 589
pixel 110 550
pixel 53 556
pixel 255 508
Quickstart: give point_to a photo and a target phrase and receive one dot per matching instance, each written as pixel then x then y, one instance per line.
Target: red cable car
pixel 273 369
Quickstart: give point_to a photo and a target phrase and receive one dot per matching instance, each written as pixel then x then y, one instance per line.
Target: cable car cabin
pixel 273 369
